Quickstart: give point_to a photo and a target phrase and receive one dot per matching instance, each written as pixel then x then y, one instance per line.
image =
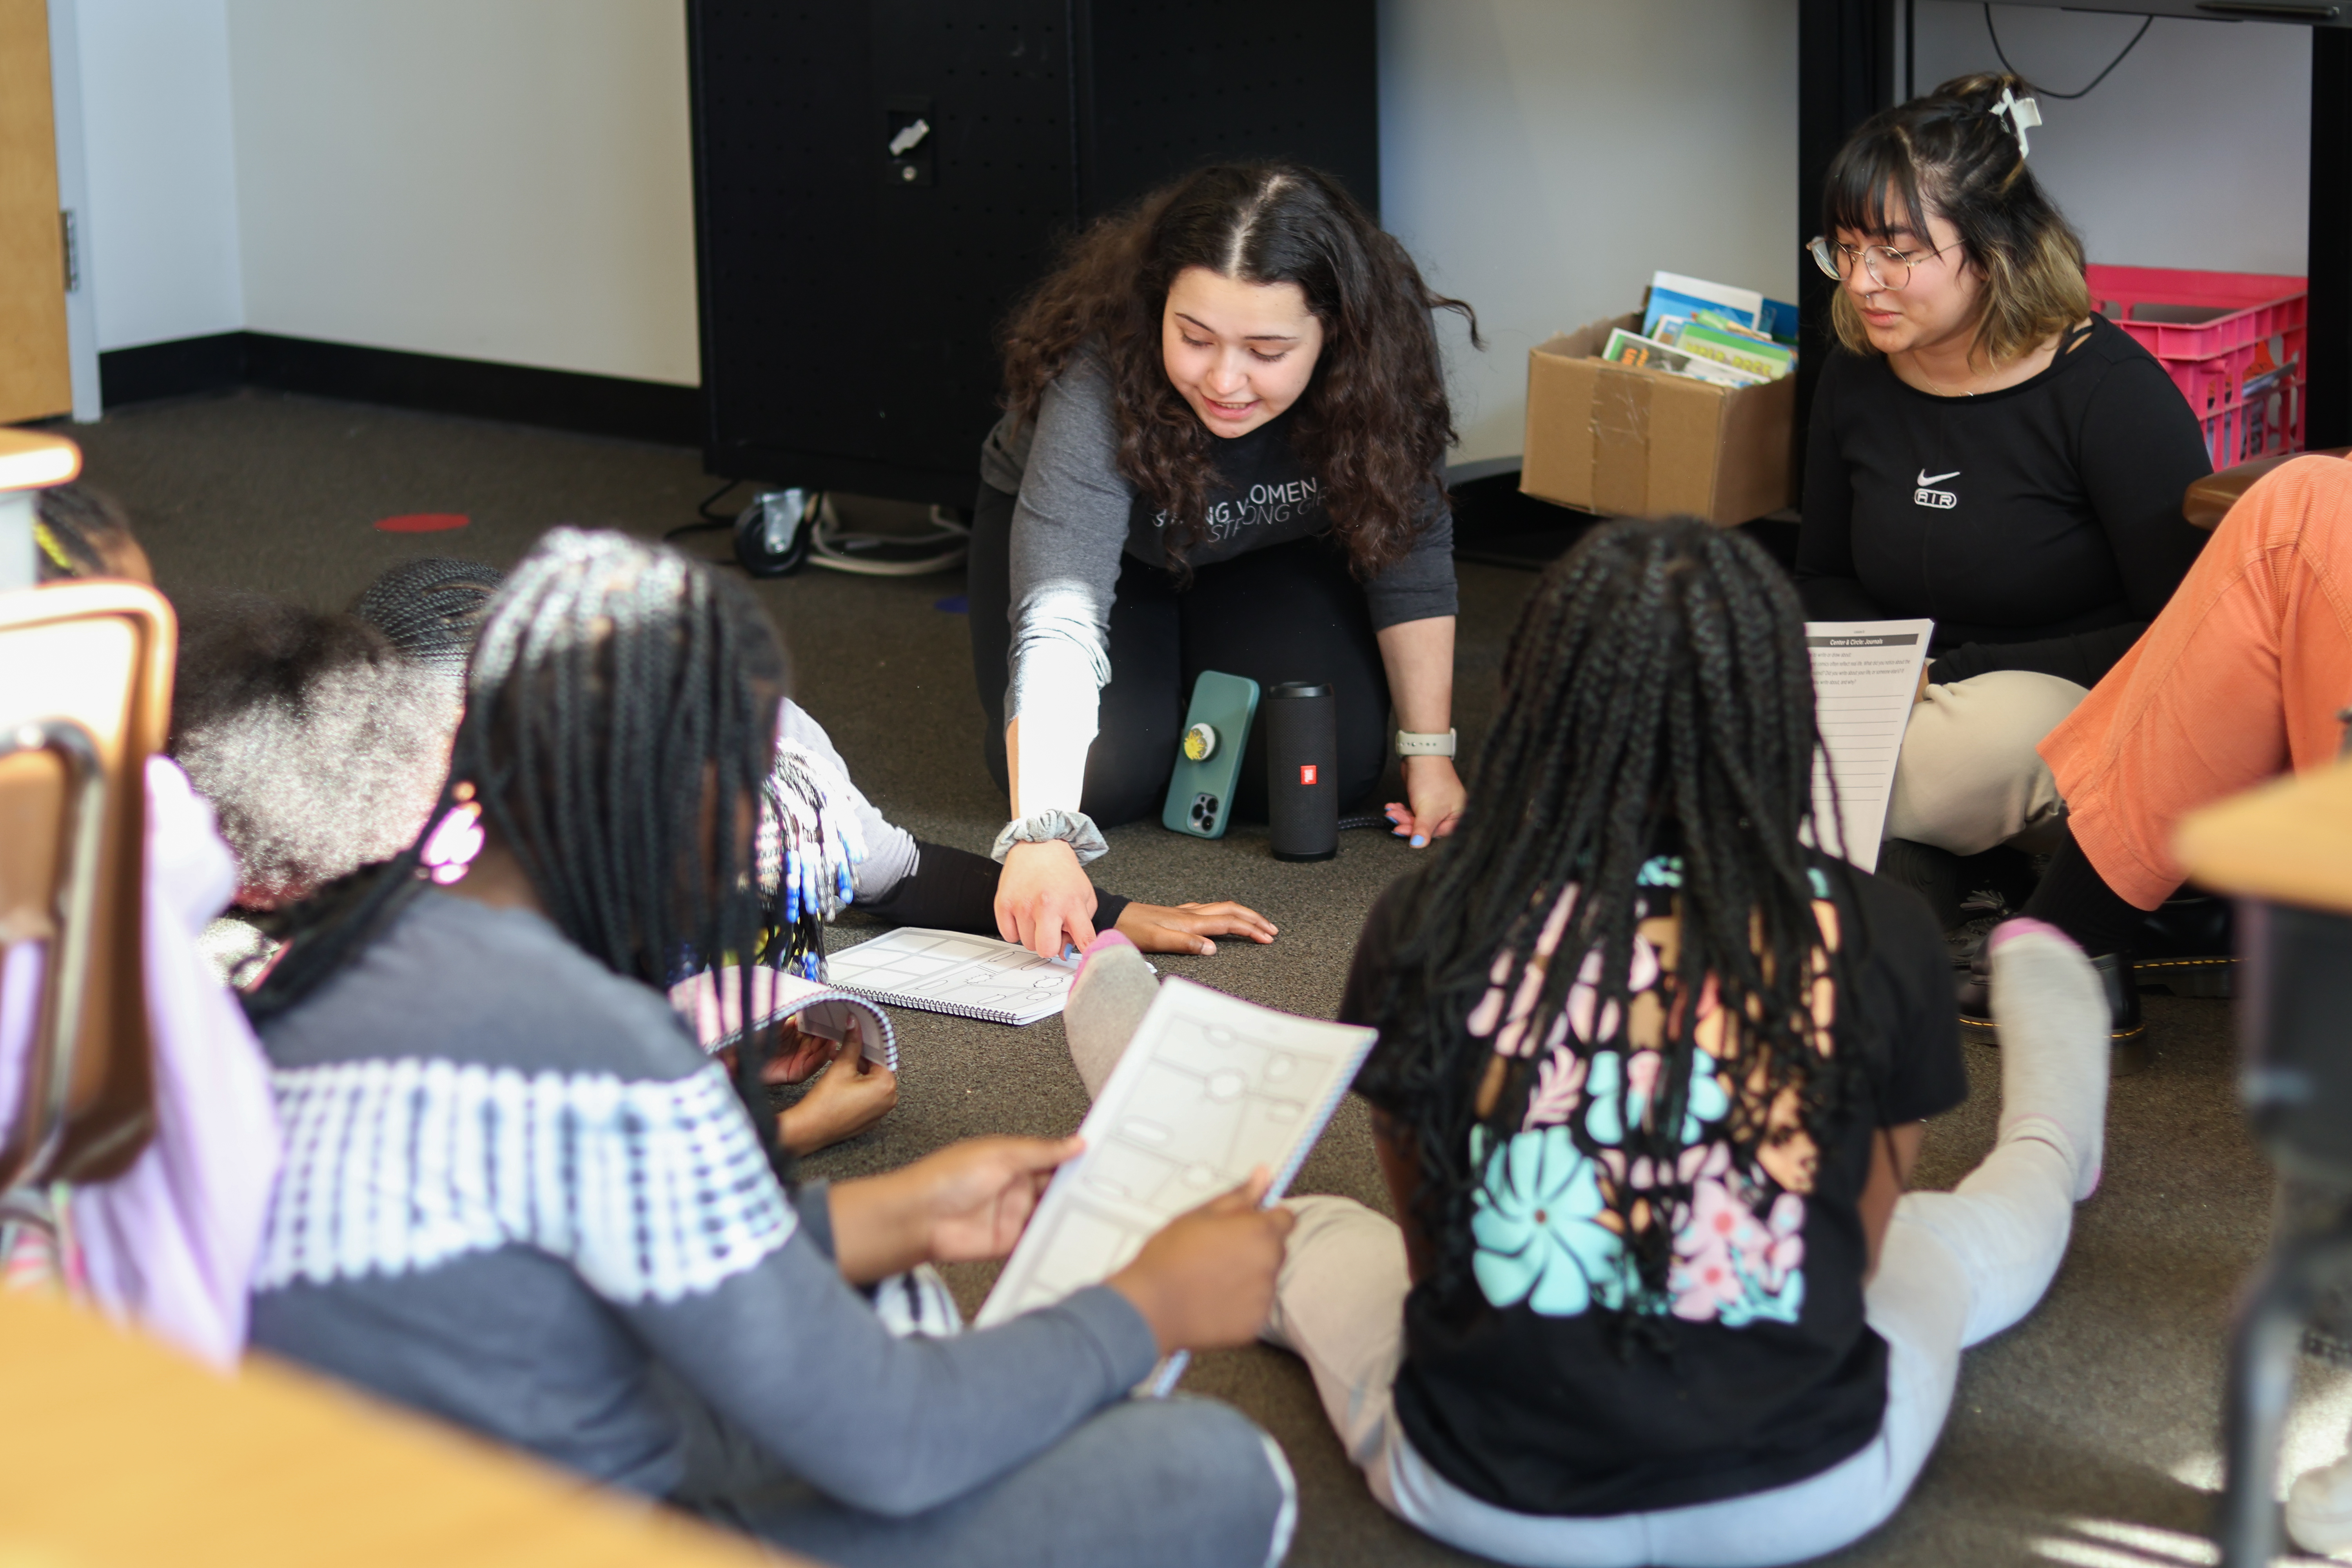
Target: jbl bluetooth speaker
pixel 1302 762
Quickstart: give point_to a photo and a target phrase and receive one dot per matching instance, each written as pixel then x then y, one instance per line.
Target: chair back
pixel 2209 499
pixel 85 699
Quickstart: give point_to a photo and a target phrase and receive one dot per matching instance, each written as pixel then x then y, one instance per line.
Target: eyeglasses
pixel 1888 268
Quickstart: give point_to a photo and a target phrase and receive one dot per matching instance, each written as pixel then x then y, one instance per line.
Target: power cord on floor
pixel 782 531
pixel 839 550
pixel 710 518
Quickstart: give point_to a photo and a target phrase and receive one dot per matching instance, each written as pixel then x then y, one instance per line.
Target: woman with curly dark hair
pixel 1226 418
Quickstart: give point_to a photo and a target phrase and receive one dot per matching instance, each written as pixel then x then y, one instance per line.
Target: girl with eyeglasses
pixel 1225 422
pixel 1986 451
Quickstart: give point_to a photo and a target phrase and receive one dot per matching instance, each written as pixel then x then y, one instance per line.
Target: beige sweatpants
pixel 1969 776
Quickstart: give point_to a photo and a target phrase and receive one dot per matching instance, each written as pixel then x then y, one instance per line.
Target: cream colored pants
pixel 1956 1267
pixel 1970 777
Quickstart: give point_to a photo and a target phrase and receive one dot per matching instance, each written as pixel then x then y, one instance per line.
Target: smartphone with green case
pixel 1209 758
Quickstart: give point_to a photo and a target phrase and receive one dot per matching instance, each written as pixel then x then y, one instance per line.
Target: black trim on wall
pixel 2327 370
pixel 522 395
pixel 176 369
pixel 1845 74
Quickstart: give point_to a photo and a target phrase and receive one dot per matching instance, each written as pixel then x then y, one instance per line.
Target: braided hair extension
pixel 619 726
pixel 431 609
pixel 1657 697
pixel 809 846
pixel 1949 153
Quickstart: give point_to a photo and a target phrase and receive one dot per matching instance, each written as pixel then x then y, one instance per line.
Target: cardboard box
pixel 1641 443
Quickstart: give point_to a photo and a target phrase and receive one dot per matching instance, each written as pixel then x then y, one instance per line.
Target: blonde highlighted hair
pixel 1948 154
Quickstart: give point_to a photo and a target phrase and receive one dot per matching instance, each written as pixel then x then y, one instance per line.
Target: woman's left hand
pixel 1187 928
pixel 1437 796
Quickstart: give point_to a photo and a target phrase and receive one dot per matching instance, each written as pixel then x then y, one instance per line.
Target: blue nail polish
pixel 1419 842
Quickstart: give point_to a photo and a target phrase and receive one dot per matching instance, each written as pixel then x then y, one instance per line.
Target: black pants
pixel 1290 612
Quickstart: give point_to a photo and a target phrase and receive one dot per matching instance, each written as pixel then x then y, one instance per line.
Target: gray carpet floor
pixel 2085 1435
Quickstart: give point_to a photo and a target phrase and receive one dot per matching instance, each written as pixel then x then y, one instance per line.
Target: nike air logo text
pixel 1942 500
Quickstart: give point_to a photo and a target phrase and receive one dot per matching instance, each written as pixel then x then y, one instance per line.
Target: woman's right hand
pixel 1044 901
pixel 1206 1281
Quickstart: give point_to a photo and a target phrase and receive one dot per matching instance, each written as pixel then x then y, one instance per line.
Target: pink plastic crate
pixel 2222 336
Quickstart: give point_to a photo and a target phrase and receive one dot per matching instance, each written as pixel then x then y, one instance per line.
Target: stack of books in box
pixel 1709 331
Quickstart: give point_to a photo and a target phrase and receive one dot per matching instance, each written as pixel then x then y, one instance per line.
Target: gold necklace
pixel 1937 386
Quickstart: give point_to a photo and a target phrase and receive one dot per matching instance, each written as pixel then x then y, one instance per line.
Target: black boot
pixel 2126 1032
pixel 2185 946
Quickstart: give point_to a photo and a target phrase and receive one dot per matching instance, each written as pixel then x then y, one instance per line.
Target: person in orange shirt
pixel 2243 676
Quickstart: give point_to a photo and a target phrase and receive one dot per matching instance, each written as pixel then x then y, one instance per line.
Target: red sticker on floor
pixel 1306 772
pixel 422 522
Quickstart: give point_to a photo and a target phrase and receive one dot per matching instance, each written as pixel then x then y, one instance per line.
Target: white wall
pixel 510 179
pixel 2195 153
pixel 1537 164
pixel 1534 167
pixel 506 179
pixel 161 224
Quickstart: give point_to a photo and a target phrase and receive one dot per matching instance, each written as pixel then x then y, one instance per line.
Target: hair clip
pixel 47 539
pixel 2021 112
pixel 456 840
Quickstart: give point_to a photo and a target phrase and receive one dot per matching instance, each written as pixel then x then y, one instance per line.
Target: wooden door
pixel 36 372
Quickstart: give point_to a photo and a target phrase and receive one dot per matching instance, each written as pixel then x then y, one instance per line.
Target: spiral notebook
pixel 707 1002
pixel 953 971
pixel 1211 1087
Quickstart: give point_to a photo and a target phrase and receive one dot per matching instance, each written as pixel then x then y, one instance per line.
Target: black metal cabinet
pixel 851 294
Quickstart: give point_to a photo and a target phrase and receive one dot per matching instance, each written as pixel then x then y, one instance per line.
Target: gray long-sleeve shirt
pixel 513 1186
pixel 1076 517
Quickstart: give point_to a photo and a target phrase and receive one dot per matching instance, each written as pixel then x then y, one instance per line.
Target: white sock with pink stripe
pixel 2053 1015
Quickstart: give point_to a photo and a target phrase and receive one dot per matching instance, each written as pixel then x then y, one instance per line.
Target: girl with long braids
pixel 1225 419
pixel 1650 1075
pixel 517 1197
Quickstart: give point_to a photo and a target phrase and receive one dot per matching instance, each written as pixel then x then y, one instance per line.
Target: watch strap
pixel 1410 744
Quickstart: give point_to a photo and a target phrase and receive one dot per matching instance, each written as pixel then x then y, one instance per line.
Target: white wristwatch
pixel 1409 744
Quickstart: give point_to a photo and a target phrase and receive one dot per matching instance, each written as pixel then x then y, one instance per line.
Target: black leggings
pixel 1289 612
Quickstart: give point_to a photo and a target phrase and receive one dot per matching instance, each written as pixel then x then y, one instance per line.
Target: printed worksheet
pixel 954 972
pixel 1211 1087
pixel 1865 678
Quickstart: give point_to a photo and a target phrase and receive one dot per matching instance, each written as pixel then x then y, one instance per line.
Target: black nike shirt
pixel 2038 526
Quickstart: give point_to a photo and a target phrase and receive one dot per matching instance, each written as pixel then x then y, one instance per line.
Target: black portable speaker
pixel 1302 761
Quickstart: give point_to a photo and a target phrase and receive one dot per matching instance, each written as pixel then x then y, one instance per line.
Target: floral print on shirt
pixel 1542 1228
